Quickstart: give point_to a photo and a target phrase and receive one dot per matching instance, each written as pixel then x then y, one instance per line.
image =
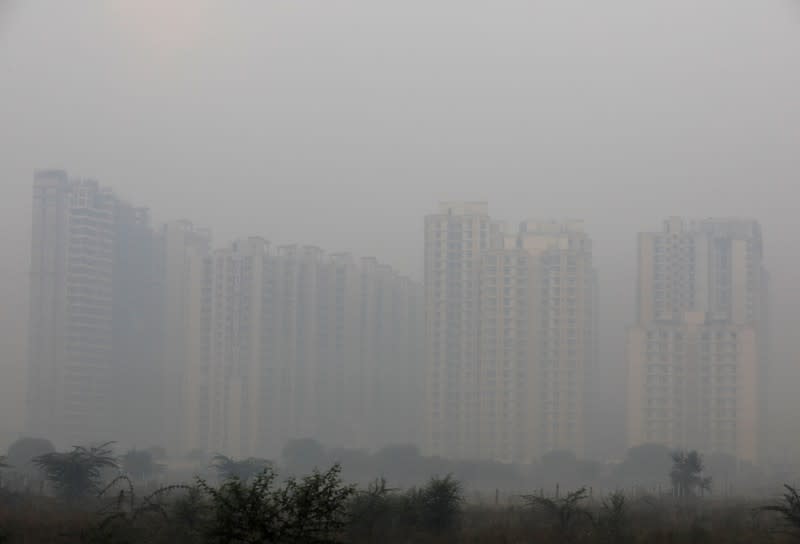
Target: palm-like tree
pixel 789 509
pixel 78 473
pixel 244 469
pixel 687 473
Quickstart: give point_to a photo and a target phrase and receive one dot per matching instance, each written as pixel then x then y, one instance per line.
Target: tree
pixel 440 502
pixel 140 464
pixel 309 511
pixel 565 514
pixel 687 474
pixel 612 520
pixel 76 474
pixel 369 511
pixel 789 509
pixel 228 468
pixel 22 453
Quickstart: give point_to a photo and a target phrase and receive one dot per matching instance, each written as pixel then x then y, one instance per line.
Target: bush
pixel 77 474
pixel 309 511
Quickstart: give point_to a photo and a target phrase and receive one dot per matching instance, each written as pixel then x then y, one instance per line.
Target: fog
pixel 341 124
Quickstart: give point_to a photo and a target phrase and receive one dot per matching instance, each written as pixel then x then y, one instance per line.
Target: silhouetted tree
pixel 440 504
pixel 140 464
pixel 565 514
pixel 687 474
pixel 370 512
pixel 189 513
pixel 612 524
pixel 309 511
pixel 244 469
pixel 789 509
pixel 76 474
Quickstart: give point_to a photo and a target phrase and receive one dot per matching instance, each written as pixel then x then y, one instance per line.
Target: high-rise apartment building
pixel 697 354
pixel 184 259
pixel 537 340
pixel 137 328
pixel 91 311
pixel 155 338
pixel 510 335
pixel 304 344
pixel 455 239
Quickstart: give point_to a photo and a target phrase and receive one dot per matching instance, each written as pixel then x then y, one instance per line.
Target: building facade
pixel 148 337
pixel 184 260
pixel 92 329
pixel 304 344
pixel 455 240
pixel 697 355
pixel 510 323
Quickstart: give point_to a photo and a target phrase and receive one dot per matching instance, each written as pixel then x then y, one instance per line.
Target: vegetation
pixel 92 502
pixel 789 510
pixel 21 454
pixel 77 474
pixel 612 523
pixel 565 516
pixel 308 511
pixel 687 474
pixel 245 469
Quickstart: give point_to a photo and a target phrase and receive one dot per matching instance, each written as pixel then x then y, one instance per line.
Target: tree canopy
pixel 78 473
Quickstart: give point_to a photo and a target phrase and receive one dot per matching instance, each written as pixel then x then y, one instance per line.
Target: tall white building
pixel 304 344
pixel 92 336
pixel 510 324
pixel 455 239
pixel 184 254
pixel 155 338
pixel 697 355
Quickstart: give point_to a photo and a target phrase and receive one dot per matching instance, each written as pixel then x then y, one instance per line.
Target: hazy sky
pixel 340 123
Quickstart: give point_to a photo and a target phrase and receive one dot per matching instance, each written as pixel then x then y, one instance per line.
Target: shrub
pixel 309 511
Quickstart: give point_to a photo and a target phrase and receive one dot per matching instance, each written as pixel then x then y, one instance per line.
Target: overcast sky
pixel 341 123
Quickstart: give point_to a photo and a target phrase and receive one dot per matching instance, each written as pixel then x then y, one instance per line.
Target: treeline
pixel 94 498
pixel 643 470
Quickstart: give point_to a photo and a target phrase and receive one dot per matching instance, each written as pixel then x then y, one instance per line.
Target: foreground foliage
pixel 76 474
pixel 228 468
pixel 308 511
pixel 789 510
pixel 268 507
